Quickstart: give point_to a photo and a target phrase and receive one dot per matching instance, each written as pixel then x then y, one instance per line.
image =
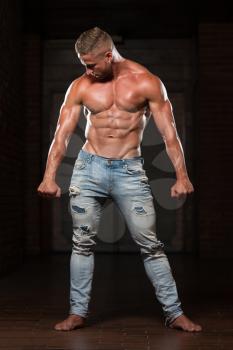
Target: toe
pixel 61 327
pixel 57 327
pixel 194 328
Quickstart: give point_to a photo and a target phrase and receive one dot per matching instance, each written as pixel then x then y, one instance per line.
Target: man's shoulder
pixel 148 84
pixel 79 82
pixel 78 85
pixel 145 80
pixel 74 91
pixel 143 74
pixel 135 68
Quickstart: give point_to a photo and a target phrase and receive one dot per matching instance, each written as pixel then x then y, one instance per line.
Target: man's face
pixel 97 65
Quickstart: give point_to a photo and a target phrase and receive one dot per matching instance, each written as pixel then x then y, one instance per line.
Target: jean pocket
pixel 135 168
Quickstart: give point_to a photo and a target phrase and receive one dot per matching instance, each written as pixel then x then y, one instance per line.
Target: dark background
pixel 26 25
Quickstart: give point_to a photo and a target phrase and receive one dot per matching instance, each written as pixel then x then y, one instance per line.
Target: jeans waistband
pixel 88 155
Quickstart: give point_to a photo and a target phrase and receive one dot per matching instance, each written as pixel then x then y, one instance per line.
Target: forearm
pixel 175 152
pixel 56 154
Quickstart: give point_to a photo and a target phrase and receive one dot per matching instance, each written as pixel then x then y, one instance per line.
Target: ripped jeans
pixel 124 180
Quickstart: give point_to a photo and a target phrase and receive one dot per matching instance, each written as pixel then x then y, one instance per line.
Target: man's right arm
pixel 67 122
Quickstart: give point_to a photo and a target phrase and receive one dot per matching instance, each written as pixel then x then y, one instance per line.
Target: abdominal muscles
pixel 117 135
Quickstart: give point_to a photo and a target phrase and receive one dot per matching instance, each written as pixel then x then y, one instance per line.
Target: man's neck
pixel 116 57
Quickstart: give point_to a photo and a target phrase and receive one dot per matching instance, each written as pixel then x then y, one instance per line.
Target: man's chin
pixel 104 77
pixel 96 76
pixel 100 77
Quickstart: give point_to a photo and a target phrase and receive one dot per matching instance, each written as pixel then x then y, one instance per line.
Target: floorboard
pixel 124 313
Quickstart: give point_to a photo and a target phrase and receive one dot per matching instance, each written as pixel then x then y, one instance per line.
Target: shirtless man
pixel 116 93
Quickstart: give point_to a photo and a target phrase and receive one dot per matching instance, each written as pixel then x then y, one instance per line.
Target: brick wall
pixel 32 134
pixel 11 136
pixel 19 138
pixel 214 140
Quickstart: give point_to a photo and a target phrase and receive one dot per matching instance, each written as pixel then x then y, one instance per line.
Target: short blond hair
pixel 93 40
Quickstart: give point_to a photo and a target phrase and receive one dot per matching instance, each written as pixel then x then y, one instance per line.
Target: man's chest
pixel 123 95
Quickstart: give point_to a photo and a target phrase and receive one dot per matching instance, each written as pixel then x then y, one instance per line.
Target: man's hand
pixel 49 189
pixel 182 187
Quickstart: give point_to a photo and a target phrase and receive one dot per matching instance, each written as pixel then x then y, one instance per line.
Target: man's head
pixel 94 49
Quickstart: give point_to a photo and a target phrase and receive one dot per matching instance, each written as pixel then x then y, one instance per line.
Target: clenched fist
pixel 49 189
pixel 181 188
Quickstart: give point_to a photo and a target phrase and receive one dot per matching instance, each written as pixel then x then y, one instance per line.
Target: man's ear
pixel 108 56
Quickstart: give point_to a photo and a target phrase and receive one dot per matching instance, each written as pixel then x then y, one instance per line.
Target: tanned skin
pixel 117 93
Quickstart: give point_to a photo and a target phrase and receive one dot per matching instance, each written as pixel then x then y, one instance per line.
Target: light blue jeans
pixel 124 180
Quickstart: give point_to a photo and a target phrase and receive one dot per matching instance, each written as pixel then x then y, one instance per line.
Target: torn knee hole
pixel 156 246
pixel 84 228
pixel 139 210
pixel 78 209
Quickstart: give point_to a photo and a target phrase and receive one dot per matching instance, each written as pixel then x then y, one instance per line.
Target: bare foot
pixel 184 323
pixel 70 323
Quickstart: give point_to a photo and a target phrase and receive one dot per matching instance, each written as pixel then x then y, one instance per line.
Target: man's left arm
pixel 162 112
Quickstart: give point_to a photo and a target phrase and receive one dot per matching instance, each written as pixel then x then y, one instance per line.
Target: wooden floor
pixel 124 312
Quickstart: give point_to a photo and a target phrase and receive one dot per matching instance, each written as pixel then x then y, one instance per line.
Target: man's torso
pixel 116 113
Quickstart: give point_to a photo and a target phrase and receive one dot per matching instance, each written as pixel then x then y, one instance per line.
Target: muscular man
pixel 116 93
